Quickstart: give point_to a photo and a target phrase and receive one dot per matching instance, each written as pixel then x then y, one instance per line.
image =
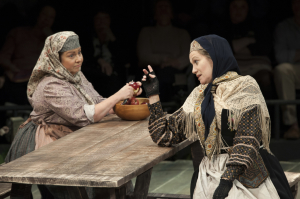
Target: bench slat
pixel 4 190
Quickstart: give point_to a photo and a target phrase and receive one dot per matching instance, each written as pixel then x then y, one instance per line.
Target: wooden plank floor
pixel 174 177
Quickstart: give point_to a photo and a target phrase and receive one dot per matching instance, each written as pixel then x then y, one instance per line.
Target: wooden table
pixel 107 155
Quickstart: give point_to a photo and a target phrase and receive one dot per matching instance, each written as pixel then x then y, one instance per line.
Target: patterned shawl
pixel 49 64
pixel 245 94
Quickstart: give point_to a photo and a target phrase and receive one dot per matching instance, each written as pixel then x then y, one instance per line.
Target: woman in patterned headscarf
pixel 62 99
pixel 228 115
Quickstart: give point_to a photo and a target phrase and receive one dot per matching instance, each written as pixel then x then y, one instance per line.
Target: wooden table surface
pixel 106 154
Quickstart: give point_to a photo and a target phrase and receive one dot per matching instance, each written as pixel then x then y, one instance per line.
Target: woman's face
pixel 72 60
pixel 238 10
pixel 202 67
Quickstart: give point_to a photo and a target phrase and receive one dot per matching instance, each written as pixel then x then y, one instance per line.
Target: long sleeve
pixel 69 106
pixel 245 145
pixel 283 53
pixel 163 131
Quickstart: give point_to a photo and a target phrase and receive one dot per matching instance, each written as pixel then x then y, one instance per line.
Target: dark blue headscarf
pixel 223 61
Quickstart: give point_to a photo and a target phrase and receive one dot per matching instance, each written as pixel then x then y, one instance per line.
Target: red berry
pixel 135 87
pixel 128 102
pixel 134 101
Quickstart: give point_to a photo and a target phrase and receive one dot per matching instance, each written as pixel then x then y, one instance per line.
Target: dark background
pixel 129 17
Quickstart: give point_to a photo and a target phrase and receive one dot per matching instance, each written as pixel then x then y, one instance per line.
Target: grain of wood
pixel 106 154
pixel 4 188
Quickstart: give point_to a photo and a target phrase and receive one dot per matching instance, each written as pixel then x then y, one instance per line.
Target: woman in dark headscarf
pixel 228 115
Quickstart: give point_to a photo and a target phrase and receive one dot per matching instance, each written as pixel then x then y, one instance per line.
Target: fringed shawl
pixel 242 94
pixel 238 94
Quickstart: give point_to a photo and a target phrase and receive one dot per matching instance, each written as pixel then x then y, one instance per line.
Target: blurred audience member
pixel 193 16
pixel 287 73
pixel 11 12
pixel 8 11
pixel 251 44
pixel 164 47
pixel 108 58
pixel 19 54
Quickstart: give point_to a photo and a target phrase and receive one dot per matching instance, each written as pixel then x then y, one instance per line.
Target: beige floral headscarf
pixel 49 64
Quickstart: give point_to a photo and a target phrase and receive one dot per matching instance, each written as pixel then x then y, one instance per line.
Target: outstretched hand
pixel 150 82
pixel 146 73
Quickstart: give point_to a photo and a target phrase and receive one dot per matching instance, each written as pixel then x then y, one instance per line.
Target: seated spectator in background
pixel 19 54
pixel 287 80
pixel 109 60
pixel 164 47
pixel 8 11
pixel 251 44
pixel 192 16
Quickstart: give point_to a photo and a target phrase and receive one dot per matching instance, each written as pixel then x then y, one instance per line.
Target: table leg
pixel 21 190
pixel 142 185
pixel 77 193
pixel 113 194
pixel 118 193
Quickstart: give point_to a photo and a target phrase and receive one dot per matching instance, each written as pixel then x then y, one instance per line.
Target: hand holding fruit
pixel 136 87
pixel 126 92
pixel 130 89
pixel 136 91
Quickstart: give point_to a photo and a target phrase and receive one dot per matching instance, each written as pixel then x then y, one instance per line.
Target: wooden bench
pixel 4 190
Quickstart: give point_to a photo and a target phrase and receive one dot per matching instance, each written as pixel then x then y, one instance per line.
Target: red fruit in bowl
pixel 128 102
pixel 134 101
pixel 135 87
pixel 144 103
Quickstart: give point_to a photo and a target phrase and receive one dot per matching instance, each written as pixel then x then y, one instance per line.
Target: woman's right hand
pixel 126 92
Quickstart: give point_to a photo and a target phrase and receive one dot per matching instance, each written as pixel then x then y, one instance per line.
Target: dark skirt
pixel 277 175
pixel 23 143
pixel 276 172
